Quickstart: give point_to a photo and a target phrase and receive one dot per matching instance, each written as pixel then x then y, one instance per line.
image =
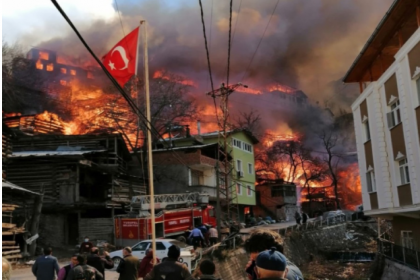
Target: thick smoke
pixel 308 45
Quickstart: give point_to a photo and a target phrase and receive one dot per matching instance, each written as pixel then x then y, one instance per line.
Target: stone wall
pixel 396 271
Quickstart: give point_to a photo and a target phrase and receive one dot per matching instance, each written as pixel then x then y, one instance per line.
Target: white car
pixel 162 246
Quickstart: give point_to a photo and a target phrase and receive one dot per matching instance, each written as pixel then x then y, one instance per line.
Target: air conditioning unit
pixel 240 174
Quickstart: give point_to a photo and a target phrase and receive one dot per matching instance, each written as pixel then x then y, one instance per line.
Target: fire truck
pixel 176 215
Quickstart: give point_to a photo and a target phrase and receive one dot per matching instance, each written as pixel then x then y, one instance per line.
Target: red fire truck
pixel 179 213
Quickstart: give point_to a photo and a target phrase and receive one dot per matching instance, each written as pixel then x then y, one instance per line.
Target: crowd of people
pixel 265 248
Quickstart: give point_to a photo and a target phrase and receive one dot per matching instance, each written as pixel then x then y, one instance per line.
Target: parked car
pixel 162 246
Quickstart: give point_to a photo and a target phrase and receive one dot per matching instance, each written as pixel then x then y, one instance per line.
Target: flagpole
pixel 149 141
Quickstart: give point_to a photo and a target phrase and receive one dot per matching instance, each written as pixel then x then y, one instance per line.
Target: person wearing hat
pixel 170 268
pixel 128 267
pixel 263 239
pixel 271 265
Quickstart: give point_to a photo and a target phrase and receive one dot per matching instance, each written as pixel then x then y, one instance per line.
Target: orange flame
pixel 161 75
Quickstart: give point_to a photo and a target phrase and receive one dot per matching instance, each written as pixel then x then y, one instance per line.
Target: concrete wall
pixel 396 271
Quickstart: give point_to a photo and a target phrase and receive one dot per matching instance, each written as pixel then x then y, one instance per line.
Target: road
pixel 26 273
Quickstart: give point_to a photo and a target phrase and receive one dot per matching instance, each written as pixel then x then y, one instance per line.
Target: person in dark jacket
pixel 263 239
pixel 206 270
pixel 46 266
pixel 170 268
pixel 86 246
pixel 100 262
pixel 84 271
pixel 146 264
pixel 128 267
pixel 65 270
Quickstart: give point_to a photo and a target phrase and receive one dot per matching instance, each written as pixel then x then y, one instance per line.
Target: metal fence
pixel 406 256
pixel 321 222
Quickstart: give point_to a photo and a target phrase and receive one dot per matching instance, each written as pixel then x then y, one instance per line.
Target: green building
pixel 241 145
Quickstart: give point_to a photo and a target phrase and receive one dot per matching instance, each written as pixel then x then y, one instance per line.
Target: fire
pixel 282 88
pixel 162 75
pixel 44 55
pixel 39 65
pixel 248 90
pixel 50 67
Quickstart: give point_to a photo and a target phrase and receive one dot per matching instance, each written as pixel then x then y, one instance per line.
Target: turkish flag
pixel 121 59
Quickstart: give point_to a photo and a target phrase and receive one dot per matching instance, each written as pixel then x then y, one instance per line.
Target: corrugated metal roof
pixel 7 184
pixel 52 153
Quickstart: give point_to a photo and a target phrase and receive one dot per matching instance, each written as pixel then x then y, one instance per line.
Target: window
pixel 418 90
pixel 394 117
pixel 239 165
pixel 238 189
pixel 73 72
pixel 39 65
pixel 197 177
pixel 160 246
pixel 90 75
pixel 50 67
pixel 63 70
pixel 237 143
pixel 63 82
pixel 404 172
pixel 142 246
pixel 407 239
pixel 283 191
pixel 367 131
pixel 44 55
pixel 247 147
pixel 250 169
pixel 249 190
pixel 371 183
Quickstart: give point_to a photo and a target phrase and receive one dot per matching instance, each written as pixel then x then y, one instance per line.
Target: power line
pixel 229 43
pixel 268 23
pixel 236 21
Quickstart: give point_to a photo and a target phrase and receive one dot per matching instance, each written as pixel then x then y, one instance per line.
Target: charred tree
pixel 329 141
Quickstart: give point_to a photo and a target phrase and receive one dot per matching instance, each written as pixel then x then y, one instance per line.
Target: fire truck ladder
pixel 229 173
pixel 142 202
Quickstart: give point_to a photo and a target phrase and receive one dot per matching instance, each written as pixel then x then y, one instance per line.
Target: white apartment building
pixel 387 121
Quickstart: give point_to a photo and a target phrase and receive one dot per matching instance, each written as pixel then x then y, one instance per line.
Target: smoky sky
pixel 308 45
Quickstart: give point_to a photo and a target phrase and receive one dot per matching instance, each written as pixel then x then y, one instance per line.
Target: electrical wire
pixel 236 21
pixel 259 43
pixel 205 43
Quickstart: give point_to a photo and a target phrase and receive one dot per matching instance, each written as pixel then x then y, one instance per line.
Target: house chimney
pixel 198 127
pixel 188 134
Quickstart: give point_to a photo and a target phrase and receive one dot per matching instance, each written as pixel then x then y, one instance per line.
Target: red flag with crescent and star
pixel 121 59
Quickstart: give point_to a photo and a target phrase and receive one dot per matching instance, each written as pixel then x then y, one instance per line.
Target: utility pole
pixel 229 189
pixel 218 208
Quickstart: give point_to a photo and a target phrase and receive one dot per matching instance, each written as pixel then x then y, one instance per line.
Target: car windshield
pixel 179 244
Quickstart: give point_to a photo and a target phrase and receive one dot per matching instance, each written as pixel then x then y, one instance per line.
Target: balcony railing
pixel 406 256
